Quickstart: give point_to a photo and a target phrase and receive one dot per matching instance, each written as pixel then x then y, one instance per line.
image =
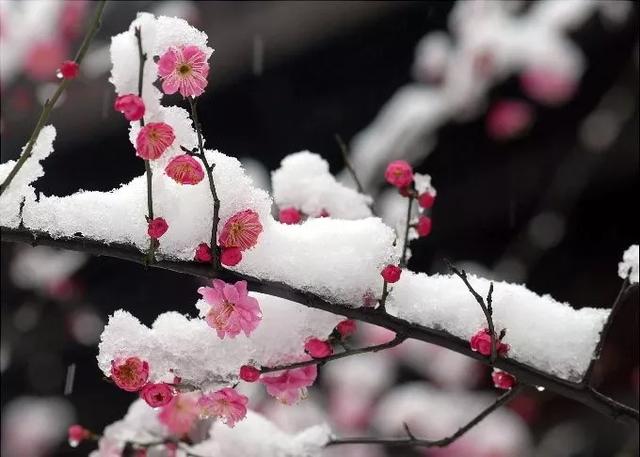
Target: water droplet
pixel 74 443
pixel 59 76
pixel 540 388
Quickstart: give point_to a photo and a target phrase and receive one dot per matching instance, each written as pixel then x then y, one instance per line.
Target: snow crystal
pixel 502 432
pixel 255 436
pixel 543 333
pixel 304 182
pixel 20 189
pixel 194 352
pixel 629 262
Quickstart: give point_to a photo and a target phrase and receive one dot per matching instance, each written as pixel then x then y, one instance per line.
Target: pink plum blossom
pixel 317 348
pixel 503 380
pixel 289 216
pixel 181 413
pixel 69 69
pixel 225 403
pixel 153 140
pixel 391 273
pixel 77 434
pixel 183 69
pixel 481 342
pixel 203 253
pixel 508 119
pixel 158 394
pixel 184 169
pixel 241 230
pixel 547 86
pixel 230 256
pixel 130 374
pixel 232 309
pixel 424 226
pixel 249 373
pixel 399 173
pixel 131 106
pixel 157 227
pixel 346 328
pixel 290 385
pixel 426 200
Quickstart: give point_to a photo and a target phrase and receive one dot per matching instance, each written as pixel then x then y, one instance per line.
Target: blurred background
pixel 547 202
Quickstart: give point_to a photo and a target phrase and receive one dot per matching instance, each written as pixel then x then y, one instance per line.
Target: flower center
pixel 222 317
pixel 184 69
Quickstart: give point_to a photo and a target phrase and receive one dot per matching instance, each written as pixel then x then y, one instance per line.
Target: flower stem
pixel 50 103
pixel 147 166
pixel 403 259
pixel 215 250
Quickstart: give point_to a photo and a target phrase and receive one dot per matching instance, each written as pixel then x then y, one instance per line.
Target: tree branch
pixel 50 103
pixel 411 440
pixel 345 158
pixel 347 353
pixel 525 374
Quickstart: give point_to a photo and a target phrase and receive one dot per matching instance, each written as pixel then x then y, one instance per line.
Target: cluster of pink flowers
pixel 400 174
pixel 182 69
pixel 232 309
pixel 132 374
pixel 292 216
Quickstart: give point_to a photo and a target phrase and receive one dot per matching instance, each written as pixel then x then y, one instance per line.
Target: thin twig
pixel 347 163
pixel 625 289
pixel 411 440
pixel 524 373
pixel 212 186
pixel 378 347
pixel 486 307
pixel 50 103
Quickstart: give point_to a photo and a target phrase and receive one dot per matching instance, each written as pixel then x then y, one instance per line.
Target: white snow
pixel 304 182
pixel 629 262
pixel 194 352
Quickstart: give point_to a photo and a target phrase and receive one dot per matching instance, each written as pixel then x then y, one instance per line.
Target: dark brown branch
pixel 625 290
pixel 50 103
pixel 411 440
pixel 347 353
pixel 345 158
pixel 486 307
pixel 525 374
pixel 215 250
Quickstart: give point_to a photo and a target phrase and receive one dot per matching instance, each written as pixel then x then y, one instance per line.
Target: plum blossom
pixel 130 374
pixel 481 342
pixel 399 174
pixel 290 385
pixel 184 169
pixel 157 227
pixel 502 379
pixel 69 69
pixel 180 414
pixel 230 256
pixel 153 140
pixel 183 69
pixel 225 403
pixel 548 86
pixel 391 273
pixel 346 328
pixel 131 106
pixel 241 230
pixel 203 253
pixel 289 216
pixel 77 434
pixel 249 373
pixel 508 119
pixel 317 348
pixel 158 394
pixel 423 226
pixel 232 310
pixel 426 200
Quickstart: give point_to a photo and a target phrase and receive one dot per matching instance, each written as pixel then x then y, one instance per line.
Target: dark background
pixel 346 62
